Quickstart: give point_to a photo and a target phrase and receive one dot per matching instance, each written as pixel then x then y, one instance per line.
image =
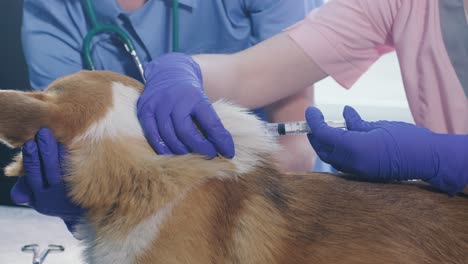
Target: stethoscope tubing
pixel 98 28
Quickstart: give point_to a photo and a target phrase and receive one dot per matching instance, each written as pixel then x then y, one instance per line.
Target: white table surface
pixel 21 226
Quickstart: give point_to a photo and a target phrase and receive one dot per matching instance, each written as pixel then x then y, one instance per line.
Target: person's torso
pixel 205 26
pixel 432 46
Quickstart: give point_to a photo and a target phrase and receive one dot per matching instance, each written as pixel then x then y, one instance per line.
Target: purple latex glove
pixel 386 150
pixel 173 104
pixel 42 187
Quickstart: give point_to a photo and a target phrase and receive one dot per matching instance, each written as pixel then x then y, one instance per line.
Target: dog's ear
pixel 21 115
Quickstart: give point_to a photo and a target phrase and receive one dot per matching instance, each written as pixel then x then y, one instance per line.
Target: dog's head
pixel 93 113
pixel 69 106
pixel 91 107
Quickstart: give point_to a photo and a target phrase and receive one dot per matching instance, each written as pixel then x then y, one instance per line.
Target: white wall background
pixel 378 94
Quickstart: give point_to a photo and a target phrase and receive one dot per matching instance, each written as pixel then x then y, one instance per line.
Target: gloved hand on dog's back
pixel 386 150
pixel 42 187
pixel 173 104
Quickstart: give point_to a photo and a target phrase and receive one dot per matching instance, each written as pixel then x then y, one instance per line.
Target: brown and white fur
pixel 145 208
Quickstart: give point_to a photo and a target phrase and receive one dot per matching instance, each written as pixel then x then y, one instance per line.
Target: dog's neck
pixel 112 157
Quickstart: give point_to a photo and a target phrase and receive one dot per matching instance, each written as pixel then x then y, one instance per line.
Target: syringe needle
pixel 297 128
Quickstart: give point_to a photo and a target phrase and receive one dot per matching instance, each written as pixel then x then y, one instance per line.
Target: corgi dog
pixel 147 208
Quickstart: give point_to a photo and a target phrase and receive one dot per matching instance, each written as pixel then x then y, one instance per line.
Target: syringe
pixel 296 128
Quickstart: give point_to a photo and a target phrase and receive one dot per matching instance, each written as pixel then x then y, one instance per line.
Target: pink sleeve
pixel 345 37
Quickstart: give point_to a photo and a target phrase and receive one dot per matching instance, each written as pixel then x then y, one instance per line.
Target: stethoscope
pixel 98 28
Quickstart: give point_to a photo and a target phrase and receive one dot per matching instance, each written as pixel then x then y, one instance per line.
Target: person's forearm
pixel 297 155
pixel 270 71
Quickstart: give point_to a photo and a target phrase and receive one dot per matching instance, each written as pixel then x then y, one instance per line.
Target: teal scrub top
pixel 53 31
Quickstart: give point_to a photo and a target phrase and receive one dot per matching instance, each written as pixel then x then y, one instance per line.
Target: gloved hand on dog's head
pixel 387 150
pixel 42 187
pixel 173 99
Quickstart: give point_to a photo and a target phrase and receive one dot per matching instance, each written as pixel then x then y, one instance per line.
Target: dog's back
pixel 145 208
pixel 313 218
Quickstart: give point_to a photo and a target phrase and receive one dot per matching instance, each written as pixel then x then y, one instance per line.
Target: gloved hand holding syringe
pixel 297 127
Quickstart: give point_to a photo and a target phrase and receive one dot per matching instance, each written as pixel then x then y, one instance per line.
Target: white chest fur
pixel 105 250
